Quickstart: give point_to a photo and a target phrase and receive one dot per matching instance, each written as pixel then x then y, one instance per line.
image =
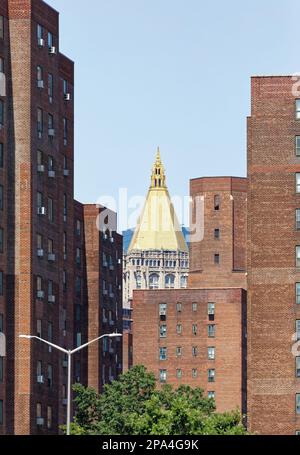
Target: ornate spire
pixel 158 178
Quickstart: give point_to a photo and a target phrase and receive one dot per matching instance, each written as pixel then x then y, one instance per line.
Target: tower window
pixel 298 219
pixel 217 233
pixel 297 256
pixel 217 202
pixel 217 259
pixel 297 145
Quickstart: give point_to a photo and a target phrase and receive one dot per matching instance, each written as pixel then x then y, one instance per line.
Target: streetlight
pixel 69 354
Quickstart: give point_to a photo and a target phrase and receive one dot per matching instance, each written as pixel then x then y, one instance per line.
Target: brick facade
pixel 188 309
pixel 272 272
pixel 220 204
pixel 44 262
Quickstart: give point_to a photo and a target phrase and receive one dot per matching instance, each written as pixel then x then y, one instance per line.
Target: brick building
pixel 273 256
pixel 46 255
pixel 197 336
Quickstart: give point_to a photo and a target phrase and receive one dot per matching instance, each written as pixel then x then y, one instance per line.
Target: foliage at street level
pixel 133 405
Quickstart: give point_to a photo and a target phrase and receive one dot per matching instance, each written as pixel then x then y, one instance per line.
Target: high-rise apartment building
pixel 45 249
pixel 273 256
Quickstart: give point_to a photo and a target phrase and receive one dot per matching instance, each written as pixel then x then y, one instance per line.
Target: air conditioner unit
pixel 112 240
pixel 40 379
pixel 67 96
pixel 40 84
pixel 51 132
pixel 51 298
pixel 41 168
pixel 51 257
pixel 111 295
pixel 41 42
pixel 52 50
pixel 40 253
pixel 65 334
pixel 119 261
pixel 65 402
pixel 105 264
pixel 66 172
pixel 65 364
pixel 41 210
pixel 51 174
pixel 40 134
pixel 105 292
pixel 111 378
pixel 40 294
pixel 111 267
pixel 111 322
pixel 40 421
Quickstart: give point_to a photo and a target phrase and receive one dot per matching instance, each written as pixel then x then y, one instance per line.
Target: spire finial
pixel 158 178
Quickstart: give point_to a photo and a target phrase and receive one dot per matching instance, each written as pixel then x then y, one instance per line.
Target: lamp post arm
pixel 65 351
pixel 109 335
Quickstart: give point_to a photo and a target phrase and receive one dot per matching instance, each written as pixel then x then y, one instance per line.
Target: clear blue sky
pixel 174 73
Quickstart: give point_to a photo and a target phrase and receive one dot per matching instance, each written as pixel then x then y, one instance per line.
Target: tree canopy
pixel 133 405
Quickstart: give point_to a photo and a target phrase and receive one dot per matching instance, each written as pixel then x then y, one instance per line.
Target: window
pixel 179 307
pixel 49 417
pixel 179 329
pixel 211 330
pixel 66 168
pixel 1 369
pixel 298 109
pixel 194 372
pixel 39 283
pixel 1 412
pixel 162 375
pixel 50 86
pixel 211 395
pixel 1 323
pixel 211 375
pixel 1 155
pixel 2 65
pixel 78 286
pixel 50 288
pixel 297 367
pixel 217 259
pixel 50 39
pixel 39 158
pixel 40 123
pixel 194 307
pixel 178 351
pixel 39 328
pixel 298 219
pixel 65 207
pixel 65 245
pixel 39 73
pixel 297 256
pixel 1 112
pixel 78 339
pixel 194 329
pixel 163 311
pixel 163 331
pixel 1 197
pixel 194 351
pixel 65 86
pixel 297 145
pixel 183 281
pixel 78 256
pixel 50 163
pixel 77 370
pixel 179 373
pixel 39 370
pixel 170 281
pixel 298 293
pixel 1 27
pixel 64 280
pixel 50 122
pixel 78 227
pixel 65 130
pixel 217 202
pixel 298 403
pixel 40 31
pixel 1 240
pixel 298 329
pixel 153 281
pixel 50 375
pixel 298 182
pixel 78 313
pixel 50 333
pixel 211 352
pixel 211 311
pixel 217 233
pixel 162 353
pixel 39 198
pixel 50 209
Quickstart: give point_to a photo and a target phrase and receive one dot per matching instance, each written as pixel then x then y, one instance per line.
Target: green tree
pixel 133 405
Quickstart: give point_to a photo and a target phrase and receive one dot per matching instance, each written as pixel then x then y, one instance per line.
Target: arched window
pixel 170 281
pixel 138 281
pixel 183 281
pixel 154 281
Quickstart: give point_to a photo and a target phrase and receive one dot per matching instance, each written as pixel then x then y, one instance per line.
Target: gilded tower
pixel 157 257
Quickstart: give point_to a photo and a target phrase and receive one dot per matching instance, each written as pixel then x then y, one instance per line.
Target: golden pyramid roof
pixel 158 227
